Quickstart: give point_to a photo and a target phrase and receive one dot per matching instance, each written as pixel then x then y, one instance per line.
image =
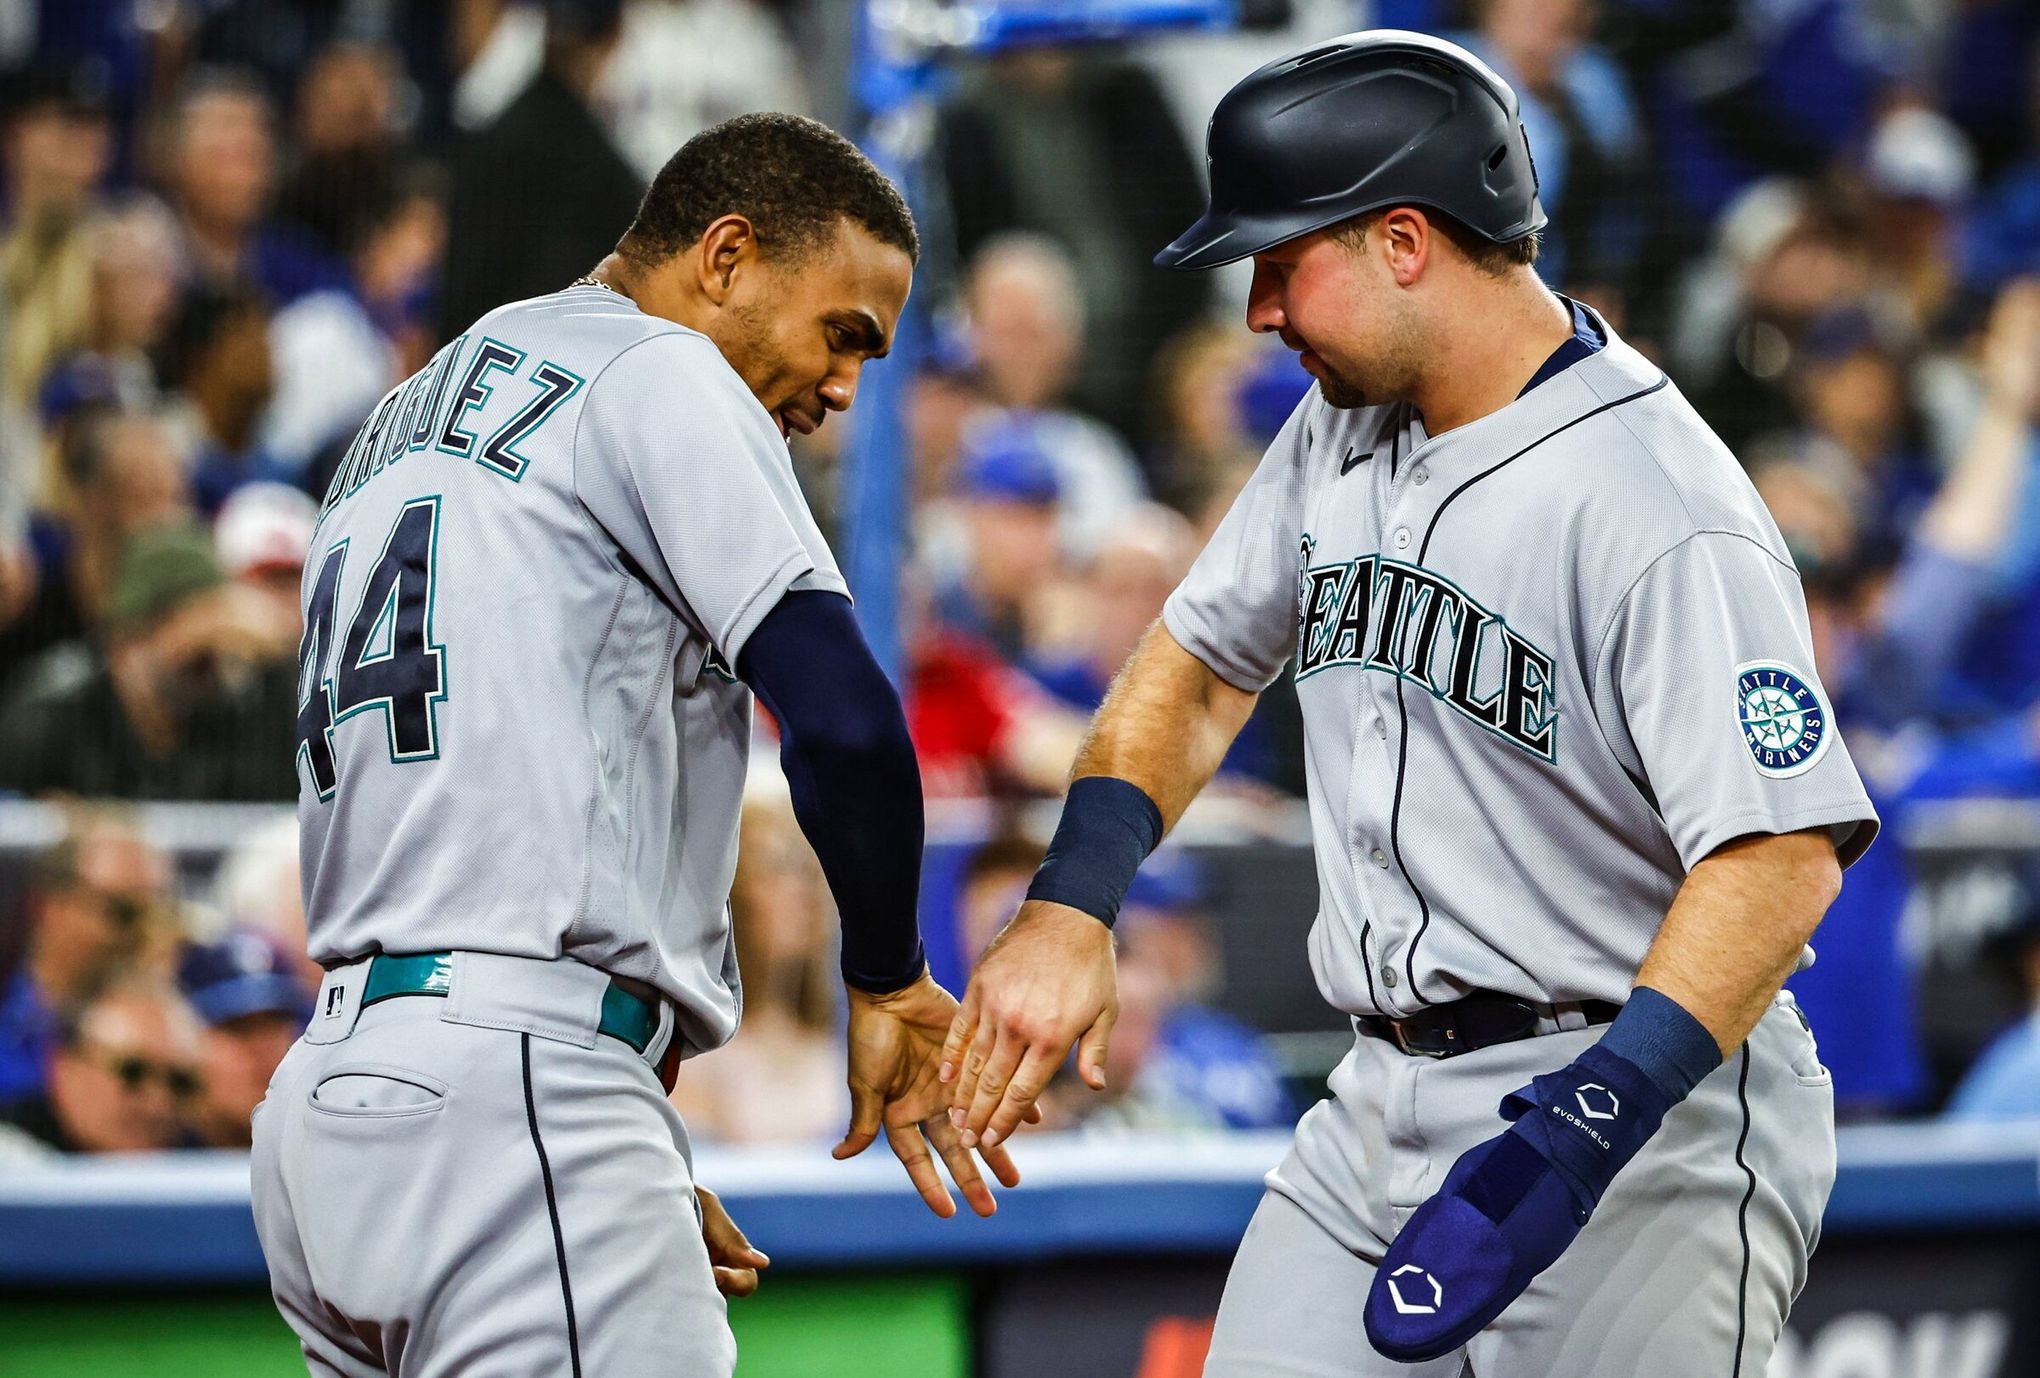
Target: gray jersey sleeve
pixel 679 464
pixel 1706 689
pixel 1236 608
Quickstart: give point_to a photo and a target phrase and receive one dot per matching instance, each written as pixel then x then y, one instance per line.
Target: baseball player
pixel 1577 798
pixel 549 576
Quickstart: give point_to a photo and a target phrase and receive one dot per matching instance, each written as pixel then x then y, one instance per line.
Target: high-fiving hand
pixel 895 1050
pixel 1046 981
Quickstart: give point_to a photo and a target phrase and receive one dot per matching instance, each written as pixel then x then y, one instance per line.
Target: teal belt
pixel 630 1018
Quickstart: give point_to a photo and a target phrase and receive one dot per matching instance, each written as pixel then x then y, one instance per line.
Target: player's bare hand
pixel 735 1261
pixel 895 1050
pixel 1045 982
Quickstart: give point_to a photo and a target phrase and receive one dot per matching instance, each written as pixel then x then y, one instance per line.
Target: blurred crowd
pixel 227 227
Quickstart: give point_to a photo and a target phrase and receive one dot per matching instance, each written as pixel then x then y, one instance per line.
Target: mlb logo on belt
pixel 1784 719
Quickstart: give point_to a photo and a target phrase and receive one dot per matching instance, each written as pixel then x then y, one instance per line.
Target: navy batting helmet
pixel 1375 119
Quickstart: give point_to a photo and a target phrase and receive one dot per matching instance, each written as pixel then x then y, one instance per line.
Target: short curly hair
pixel 792 177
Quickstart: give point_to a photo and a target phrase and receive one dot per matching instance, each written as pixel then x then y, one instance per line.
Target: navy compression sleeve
pixel 856 785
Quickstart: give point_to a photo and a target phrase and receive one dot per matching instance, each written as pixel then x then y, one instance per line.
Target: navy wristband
pixel 1108 827
pixel 1664 1041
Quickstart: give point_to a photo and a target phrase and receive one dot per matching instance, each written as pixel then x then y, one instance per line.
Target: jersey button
pixel 1381 858
pixel 1381 728
pixel 1388 976
pixel 1420 476
pixel 1402 538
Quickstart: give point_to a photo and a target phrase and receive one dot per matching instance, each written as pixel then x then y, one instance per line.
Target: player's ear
pixel 1406 240
pixel 726 245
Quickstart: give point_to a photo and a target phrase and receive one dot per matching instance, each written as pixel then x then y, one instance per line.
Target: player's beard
pixel 1391 374
pixel 1340 393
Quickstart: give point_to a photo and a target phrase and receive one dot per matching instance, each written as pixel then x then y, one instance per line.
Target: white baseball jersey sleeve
pixel 519 729
pixel 1547 662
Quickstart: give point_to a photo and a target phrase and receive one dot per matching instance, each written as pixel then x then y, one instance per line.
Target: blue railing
pixel 183 1219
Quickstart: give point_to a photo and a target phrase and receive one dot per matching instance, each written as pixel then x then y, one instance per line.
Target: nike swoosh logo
pixel 1352 458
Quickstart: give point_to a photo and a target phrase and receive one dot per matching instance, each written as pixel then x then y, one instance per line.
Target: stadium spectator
pixel 348 124
pixel 122 474
pixel 123 1076
pixel 781 1078
pixel 2004 1084
pixel 981 728
pixel 1203 1061
pixel 684 65
pixel 1113 601
pixel 261 538
pixel 1203 432
pixel 1787 256
pixel 1007 513
pixel 1081 147
pixel 1026 316
pixel 58 147
pixel 247 992
pixel 257 887
pixel 945 398
pixel 216 356
pixel 190 693
pixel 514 244
pixel 1920 173
pixel 134 290
pixel 92 898
pixel 1850 382
pixel 337 351
pixel 221 173
pixel 1585 129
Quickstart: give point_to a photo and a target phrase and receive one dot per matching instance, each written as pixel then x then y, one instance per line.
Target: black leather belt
pixel 1479 1020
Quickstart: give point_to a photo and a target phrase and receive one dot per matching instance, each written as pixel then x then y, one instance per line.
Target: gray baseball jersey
pixel 520 732
pixel 1547 662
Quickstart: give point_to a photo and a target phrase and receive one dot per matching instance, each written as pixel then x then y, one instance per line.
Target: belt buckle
pixel 1402 1041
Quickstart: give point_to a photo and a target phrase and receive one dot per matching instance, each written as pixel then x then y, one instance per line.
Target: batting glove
pixel 1512 1205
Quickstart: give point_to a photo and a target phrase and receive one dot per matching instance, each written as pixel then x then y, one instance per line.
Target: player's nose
pixel 839 389
pixel 1265 315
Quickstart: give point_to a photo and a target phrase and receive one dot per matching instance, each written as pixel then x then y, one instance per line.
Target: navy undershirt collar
pixel 1586 340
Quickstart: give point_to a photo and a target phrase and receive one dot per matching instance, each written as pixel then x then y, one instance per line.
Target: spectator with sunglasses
pixel 124 1077
pixel 91 899
pixel 245 987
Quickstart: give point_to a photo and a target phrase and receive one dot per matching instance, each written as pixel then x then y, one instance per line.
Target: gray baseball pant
pixel 483 1186
pixel 1687 1269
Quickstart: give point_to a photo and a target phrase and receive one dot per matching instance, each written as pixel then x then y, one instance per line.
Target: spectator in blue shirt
pixel 91 899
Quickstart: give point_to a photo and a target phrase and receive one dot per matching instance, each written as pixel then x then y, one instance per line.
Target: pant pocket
pixel 376 1091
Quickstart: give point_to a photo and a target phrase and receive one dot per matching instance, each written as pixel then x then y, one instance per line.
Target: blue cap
pixel 1006 462
pixel 1266 396
pixel 949 353
pixel 244 973
pixel 83 380
pixel 1170 880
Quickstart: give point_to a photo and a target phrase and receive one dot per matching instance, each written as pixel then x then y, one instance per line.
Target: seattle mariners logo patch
pixel 1785 721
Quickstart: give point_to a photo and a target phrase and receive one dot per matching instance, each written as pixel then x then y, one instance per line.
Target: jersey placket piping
pixel 1396 488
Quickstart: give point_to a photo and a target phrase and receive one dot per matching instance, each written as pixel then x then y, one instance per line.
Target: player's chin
pixel 1342 395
